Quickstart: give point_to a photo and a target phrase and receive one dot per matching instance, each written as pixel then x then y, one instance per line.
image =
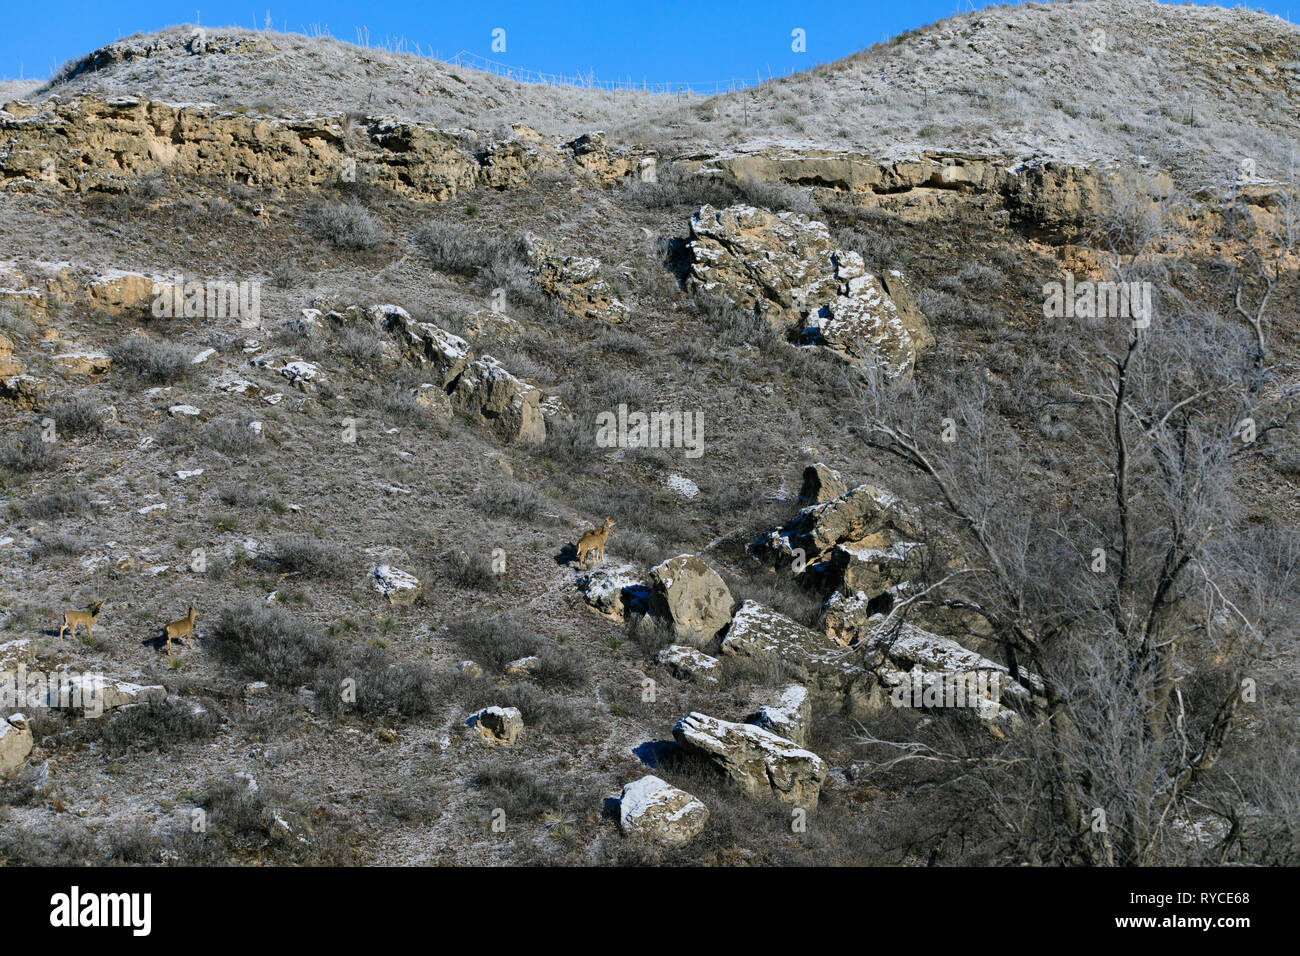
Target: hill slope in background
pixel 1192 89
pixel 288 73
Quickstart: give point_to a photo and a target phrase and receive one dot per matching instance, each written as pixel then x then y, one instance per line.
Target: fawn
pixel 182 628
pixel 594 540
pixel 87 618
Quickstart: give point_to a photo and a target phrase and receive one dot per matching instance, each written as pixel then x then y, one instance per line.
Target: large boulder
pixel 785 268
pixel 868 326
pixel 25 391
pixel 94 694
pixel 9 365
pixel 655 810
pixel 924 670
pixel 790 716
pixel 478 387
pixel 765 262
pixel 821 483
pixel 433 400
pixel 615 593
pixel 83 363
pixel 401 588
pixel 573 281
pixel 426 344
pixel 866 540
pixel 498 725
pixel 690 597
pixel 863 517
pixel 851 617
pixel 786 649
pixel 592 154
pixel 688 663
pixel 758 761
pixel 864 567
pixel 127 293
pixel 15 743
pixel 507 405
pixel 512 162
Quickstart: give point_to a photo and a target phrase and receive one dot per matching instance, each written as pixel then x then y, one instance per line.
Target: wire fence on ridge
pixel 589 80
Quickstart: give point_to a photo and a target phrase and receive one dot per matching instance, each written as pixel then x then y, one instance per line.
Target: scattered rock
pixel 15 743
pixel 399 587
pixel 688 663
pixel 470 669
pixel 790 717
pixel 656 810
pixel 501 725
pixel 690 596
pixel 759 761
pixel 15 652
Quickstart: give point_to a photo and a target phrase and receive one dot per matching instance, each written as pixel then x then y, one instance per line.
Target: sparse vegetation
pixel 150 360
pixel 298 554
pixel 347 225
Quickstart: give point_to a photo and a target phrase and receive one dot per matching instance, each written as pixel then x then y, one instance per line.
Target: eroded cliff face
pixel 94 145
pixel 90 144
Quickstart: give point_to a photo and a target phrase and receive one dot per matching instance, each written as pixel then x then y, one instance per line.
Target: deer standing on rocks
pixel 594 540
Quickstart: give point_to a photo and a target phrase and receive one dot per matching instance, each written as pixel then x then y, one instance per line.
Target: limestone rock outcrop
pixel 758 761
pixel 690 597
pixel 786 269
pixel 653 809
pixel 15 743
pixel 574 282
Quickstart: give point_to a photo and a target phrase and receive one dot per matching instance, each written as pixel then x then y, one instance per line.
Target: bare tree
pixel 1118 589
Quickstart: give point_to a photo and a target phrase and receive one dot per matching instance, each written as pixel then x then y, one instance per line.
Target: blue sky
pixel 696 41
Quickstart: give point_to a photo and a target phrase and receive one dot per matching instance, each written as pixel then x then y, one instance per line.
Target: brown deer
pixel 182 628
pixel 75 619
pixel 594 540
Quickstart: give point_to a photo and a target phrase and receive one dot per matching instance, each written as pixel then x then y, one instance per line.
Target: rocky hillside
pixel 1190 89
pixel 288 73
pixel 1193 90
pixel 934 492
